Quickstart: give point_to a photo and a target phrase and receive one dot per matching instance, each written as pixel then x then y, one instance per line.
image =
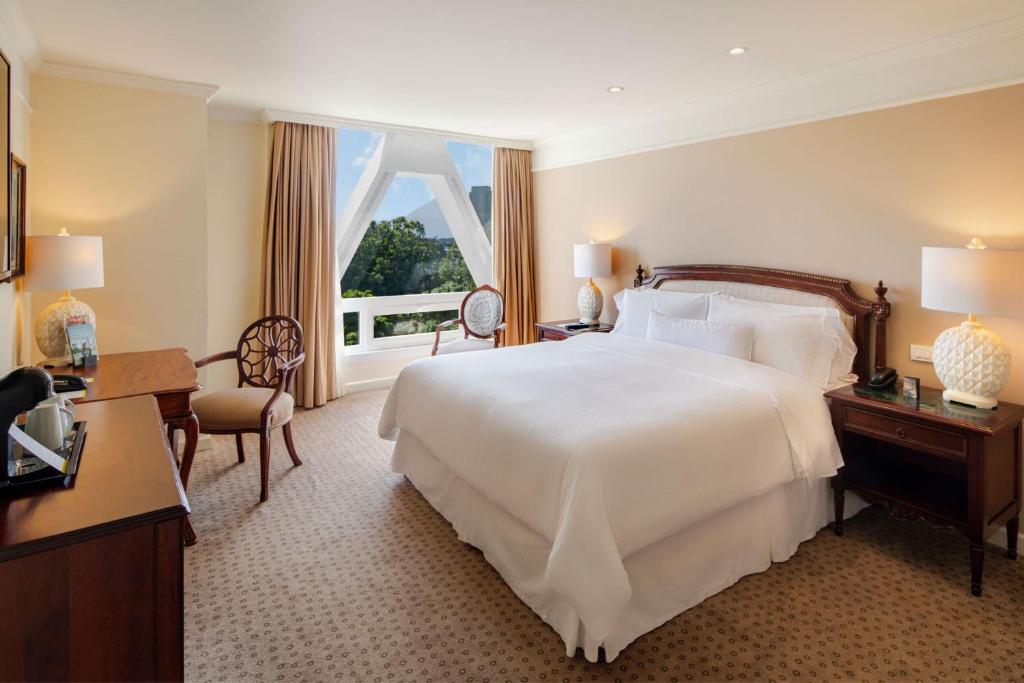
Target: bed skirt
pixel 667 577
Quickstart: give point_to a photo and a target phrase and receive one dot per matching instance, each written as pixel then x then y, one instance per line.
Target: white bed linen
pixel 667 577
pixel 605 445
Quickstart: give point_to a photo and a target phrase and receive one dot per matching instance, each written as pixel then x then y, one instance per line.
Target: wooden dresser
pixel 91 576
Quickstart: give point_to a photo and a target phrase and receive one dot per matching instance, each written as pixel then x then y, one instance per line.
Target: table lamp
pixel 61 262
pixel 973 363
pixel 590 261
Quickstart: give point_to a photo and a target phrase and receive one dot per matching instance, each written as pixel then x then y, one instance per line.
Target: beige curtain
pixel 298 249
pixel 513 242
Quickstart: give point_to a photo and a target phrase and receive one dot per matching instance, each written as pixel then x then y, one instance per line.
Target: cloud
pixel 368 149
pixel 473 162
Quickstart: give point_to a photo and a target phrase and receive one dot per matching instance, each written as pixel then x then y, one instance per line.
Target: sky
pixel 356 147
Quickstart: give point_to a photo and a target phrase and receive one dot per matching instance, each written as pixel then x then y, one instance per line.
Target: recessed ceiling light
pixel 737 50
pixel 616 88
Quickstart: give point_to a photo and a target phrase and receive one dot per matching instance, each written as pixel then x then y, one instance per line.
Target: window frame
pixel 410 156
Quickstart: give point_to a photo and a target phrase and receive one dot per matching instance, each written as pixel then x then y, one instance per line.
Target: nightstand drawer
pixel 546 334
pixel 556 331
pixel 909 433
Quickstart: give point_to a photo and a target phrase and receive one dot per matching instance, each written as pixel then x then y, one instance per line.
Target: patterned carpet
pixel 346 573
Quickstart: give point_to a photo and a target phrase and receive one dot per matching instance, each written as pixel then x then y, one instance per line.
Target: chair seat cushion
pixel 470 344
pixel 240 408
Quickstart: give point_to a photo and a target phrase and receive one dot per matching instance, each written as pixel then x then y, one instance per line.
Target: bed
pixel 614 481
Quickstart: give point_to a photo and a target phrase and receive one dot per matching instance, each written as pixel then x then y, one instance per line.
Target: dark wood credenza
pixel 91 576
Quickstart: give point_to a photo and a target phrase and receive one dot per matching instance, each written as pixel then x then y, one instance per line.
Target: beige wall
pixel 129 165
pixel 236 191
pixel 14 332
pixel 856 197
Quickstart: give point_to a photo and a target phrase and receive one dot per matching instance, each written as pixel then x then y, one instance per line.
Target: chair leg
pixel 287 431
pixel 240 448
pixel 264 465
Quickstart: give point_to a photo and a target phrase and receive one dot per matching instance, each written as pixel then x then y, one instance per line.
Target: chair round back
pixel 265 346
pixel 483 310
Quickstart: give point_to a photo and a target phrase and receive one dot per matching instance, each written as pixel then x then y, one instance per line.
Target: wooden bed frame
pixel 866 313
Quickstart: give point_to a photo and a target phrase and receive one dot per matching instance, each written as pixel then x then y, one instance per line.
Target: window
pixel 408 247
pixel 414 234
pixel 475 164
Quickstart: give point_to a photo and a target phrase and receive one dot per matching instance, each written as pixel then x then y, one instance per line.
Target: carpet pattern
pixel 346 573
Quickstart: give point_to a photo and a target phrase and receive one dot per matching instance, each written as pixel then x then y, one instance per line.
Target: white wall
pixel 130 165
pixel 236 203
pixel 855 197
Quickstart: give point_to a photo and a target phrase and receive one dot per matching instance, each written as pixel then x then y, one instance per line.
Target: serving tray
pixel 25 471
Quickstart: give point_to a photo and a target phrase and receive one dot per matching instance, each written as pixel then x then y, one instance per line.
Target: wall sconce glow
pixel 738 50
pixel 616 89
pixel 975 243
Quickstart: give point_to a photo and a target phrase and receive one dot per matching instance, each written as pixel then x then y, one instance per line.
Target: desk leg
pixel 190 425
pixel 172 440
pixel 188 534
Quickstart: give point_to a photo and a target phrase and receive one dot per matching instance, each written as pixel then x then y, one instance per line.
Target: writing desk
pixel 168 374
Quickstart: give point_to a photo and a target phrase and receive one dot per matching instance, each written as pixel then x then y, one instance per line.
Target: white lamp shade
pixel 979 281
pixel 57 262
pixel 592 260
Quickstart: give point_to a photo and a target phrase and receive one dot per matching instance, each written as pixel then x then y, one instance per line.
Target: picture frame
pixel 81 342
pixel 7 242
pixel 18 199
pixel 912 389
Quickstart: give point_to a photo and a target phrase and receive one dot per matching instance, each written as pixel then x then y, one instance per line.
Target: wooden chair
pixel 482 316
pixel 269 353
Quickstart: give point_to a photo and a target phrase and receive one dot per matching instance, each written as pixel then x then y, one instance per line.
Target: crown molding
pixel 25 43
pixel 966 61
pixel 82 73
pixel 235 114
pixel 271 115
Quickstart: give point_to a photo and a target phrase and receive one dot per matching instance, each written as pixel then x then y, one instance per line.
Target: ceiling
pixel 527 69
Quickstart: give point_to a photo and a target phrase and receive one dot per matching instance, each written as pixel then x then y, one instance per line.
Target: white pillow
pixel 842 362
pixel 638 303
pixel 802 340
pixel 721 338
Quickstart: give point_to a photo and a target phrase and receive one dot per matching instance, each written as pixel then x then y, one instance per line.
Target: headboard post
pixel 869 316
pixel 880 312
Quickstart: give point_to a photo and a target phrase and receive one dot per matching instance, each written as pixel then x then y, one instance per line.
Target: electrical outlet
pixel 921 353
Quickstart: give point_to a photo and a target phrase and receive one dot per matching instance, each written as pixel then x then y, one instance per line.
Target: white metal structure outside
pixel 427 158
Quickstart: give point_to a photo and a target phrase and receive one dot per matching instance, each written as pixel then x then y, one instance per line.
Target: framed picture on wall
pixel 6 240
pixel 19 174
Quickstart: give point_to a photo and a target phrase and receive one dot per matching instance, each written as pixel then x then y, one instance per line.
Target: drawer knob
pixel 900 433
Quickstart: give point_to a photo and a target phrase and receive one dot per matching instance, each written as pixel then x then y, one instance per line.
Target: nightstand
pixel 555 331
pixel 949 464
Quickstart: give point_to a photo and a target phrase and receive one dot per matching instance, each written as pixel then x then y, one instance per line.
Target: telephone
pixel 883 378
pixel 62 383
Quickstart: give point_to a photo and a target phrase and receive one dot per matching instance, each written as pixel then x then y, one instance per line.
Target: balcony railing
pixel 405 333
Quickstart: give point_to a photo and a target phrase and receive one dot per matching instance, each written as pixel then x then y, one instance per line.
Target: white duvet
pixel 606 444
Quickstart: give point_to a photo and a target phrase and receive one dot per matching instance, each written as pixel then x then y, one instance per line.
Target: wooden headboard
pixel 866 314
